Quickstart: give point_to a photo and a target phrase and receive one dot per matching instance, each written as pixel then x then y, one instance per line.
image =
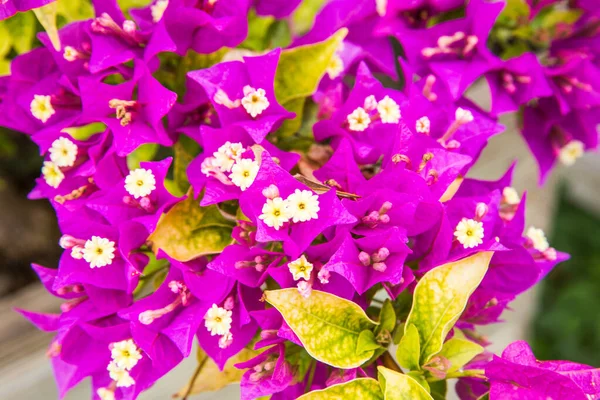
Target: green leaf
pixel 441 296
pixel 397 386
pixel 185 150
pixel 366 342
pixel 74 10
pixel 188 231
pixel 258 28
pixel 387 318
pixel 420 378
pixel 86 131
pixel 304 16
pixel 47 17
pixel 211 378
pixel 298 74
pixel 361 388
pixel 21 28
pixel 438 389
pixel 409 349
pixel 144 152
pixel 328 326
pixel 459 352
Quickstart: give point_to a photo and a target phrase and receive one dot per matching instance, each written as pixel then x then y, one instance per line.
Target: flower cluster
pixel 187 200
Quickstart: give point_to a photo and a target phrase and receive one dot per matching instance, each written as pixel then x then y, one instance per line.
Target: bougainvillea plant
pixel 283 182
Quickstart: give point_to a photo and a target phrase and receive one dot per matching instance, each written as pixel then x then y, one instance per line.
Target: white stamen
pixel 389 111
pixel 41 107
pixel 255 101
pixel 52 174
pixel 303 205
pixel 359 120
pixel 140 182
pixel 300 268
pixel 125 354
pixel 120 375
pixel 423 125
pixel 469 233
pixel 217 320
pixel 538 239
pixel 244 172
pixel 463 116
pixel 63 152
pixel 570 152
pixel 99 252
pixel 510 196
pixel 275 213
pixel 335 67
pixel 158 9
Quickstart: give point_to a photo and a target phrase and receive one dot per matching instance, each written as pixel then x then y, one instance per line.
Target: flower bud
pixel 271 192
pixel 481 210
pixel 364 258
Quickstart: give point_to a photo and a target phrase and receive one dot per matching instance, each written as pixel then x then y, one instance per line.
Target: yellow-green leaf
pixel 459 352
pixel 21 31
pixel 327 325
pixel 304 16
pixel 409 349
pixel 361 388
pixel 185 150
pixel 188 231
pixel 211 378
pixel 441 296
pixel 397 386
pixel 144 152
pixel 366 342
pixel 47 17
pixel 86 131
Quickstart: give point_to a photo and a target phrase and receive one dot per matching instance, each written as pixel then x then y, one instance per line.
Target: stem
pixel 311 376
pixel 389 362
pixel 194 377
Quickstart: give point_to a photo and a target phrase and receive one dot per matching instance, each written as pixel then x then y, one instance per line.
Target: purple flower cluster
pixel 374 202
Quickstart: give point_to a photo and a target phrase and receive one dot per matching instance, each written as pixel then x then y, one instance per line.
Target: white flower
pixel 105 394
pixel 99 252
pixel 41 107
pixel 119 375
pixel 370 103
pixel 570 152
pixel 158 9
pixel 510 195
pixel 463 116
pixel 140 182
pixel 335 67
pixel 359 120
pixel 423 125
pixel 244 172
pixel 125 354
pixel 381 7
pixel 70 54
pixel 63 152
pixel 538 238
pixel 275 212
pixel 218 320
pixel 388 110
pixel 52 174
pixel 227 154
pixel 255 101
pixel 300 268
pixel 303 205
pixel 469 233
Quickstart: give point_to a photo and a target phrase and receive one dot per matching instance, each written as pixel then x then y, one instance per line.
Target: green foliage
pixel 188 231
pixel 144 152
pixel 299 72
pixel 397 386
pixel 185 150
pixel 566 324
pixel 362 388
pixel 409 349
pixel 441 296
pixel 304 16
pixel 328 326
pixel 459 352
pixel 86 131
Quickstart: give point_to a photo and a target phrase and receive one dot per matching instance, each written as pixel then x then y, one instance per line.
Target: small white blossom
pixel 469 233
pixel 275 212
pixel 140 182
pixel 63 152
pixel 120 375
pixel 227 154
pixel 105 394
pixel 538 238
pixel 300 268
pixel 388 110
pixel 244 172
pixel 510 195
pixel 303 205
pixel 99 252
pixel 52 174
pixel 158 9
pixel 255 101
pixel 217 320
pixel 335 67
pixel 570 152
pixel 381 7
pixel 125 354
pixel 226 340
pixel 423 125
pixel 41 107
pixel 463 116
pixel 370 103
pixel 70 54
pixel 359 120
